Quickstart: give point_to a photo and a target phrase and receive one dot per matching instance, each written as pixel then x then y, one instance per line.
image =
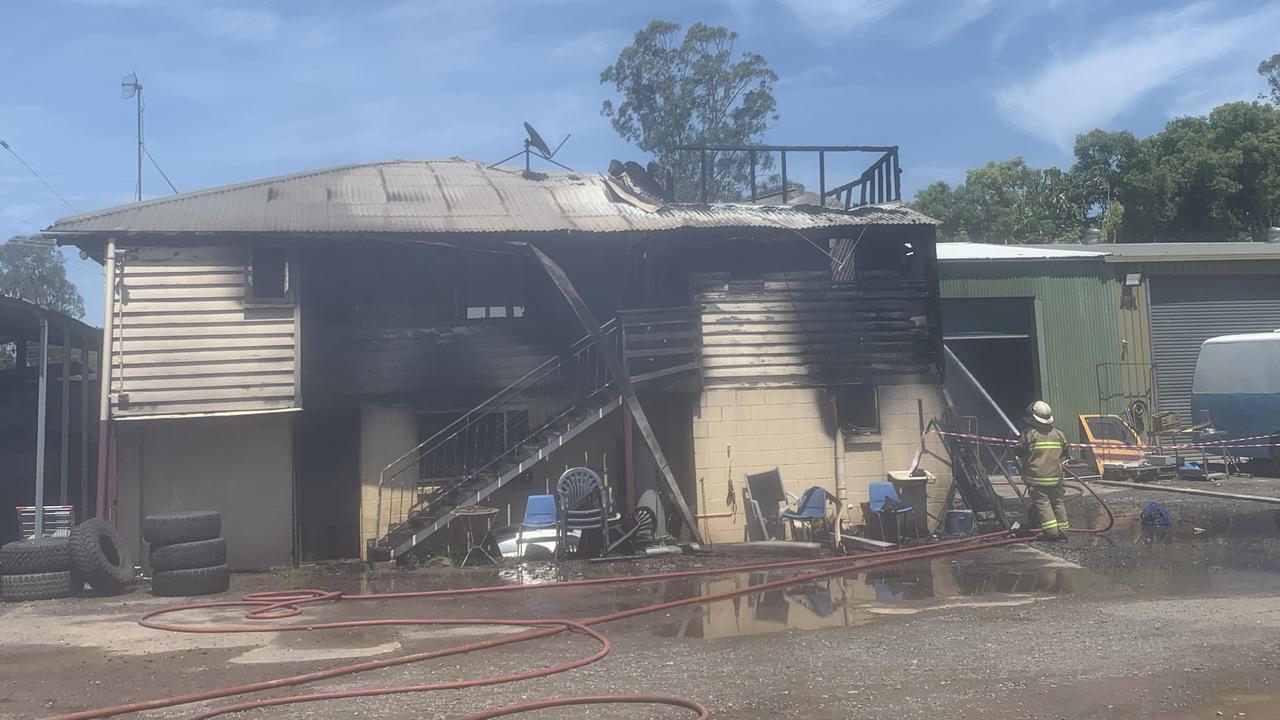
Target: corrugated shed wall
pixel 1075 322
pixel 185 341
pixel 1186 311
pixel 1134 315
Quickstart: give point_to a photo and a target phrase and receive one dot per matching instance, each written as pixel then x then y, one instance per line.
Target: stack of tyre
pixel 56 567
pixel 37 569
pixel 188 554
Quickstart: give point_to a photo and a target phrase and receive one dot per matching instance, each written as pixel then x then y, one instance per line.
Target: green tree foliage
pixel 39 275
pixel 693 90
pixel 1003 202
pixel 1112 219
pixel 1200 178
pixel 1269 69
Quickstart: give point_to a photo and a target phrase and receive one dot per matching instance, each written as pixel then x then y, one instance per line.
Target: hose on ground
pixel 1111 518
pixel 275 606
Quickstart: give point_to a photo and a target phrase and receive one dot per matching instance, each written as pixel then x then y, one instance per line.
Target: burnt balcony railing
pixel 881 182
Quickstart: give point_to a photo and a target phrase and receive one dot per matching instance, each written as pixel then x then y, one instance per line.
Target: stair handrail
pixel 422 449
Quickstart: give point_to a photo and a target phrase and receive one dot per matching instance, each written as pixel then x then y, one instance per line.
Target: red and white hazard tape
pixel 1214 445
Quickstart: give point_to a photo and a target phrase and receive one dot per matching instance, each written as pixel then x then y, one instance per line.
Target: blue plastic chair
pixel 880 493
pixel 539 514
pixel 810 509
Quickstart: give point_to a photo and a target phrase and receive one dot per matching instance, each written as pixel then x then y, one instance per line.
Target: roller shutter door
pixel 1187 310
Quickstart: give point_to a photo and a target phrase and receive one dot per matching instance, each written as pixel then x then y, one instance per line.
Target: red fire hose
pixel 276 606
pixel 1111 519
pixel 590 700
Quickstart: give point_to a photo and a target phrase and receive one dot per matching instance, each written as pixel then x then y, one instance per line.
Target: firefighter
pixel 1041 450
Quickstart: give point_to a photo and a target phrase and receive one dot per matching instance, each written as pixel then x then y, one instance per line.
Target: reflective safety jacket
pixel 1041 453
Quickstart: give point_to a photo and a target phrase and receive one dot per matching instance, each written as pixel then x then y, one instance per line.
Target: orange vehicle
pixel 1110 440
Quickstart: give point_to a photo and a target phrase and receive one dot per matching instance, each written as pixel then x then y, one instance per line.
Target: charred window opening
pixel 495 288
pixel 888 257
pixel 268 276
pixel 8 355
pixel 858 409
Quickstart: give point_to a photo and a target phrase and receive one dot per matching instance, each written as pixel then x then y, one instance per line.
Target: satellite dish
pixel 535 145
pixel 129 86
pixel 536 142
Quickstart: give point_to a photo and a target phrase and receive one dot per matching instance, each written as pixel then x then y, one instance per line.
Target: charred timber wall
pixel 800 329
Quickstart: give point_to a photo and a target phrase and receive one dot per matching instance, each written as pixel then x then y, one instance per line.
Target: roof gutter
pixel 1203 257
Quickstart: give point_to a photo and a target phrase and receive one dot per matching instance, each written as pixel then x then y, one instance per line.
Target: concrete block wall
pixel 240 466
pixel 750 430
pixel 386 432
pixel 901 407
pixel 739 431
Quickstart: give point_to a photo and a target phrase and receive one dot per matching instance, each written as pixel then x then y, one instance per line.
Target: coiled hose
pixel 275 606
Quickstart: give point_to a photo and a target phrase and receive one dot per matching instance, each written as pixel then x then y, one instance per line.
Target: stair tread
pixel 436 505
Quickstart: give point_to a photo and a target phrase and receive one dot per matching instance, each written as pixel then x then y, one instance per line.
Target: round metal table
pixel 473 516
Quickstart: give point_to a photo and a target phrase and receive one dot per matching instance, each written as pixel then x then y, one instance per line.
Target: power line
pixel 147 150
pixel 14 153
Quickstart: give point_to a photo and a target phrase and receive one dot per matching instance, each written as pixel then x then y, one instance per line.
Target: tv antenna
pixel 535 145
pixel 131 88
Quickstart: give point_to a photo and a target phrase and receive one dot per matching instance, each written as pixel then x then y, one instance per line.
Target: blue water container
pixel 959 522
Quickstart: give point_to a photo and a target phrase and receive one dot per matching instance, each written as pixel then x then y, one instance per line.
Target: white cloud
pixel 1089 89
pixel 1239 83
pixel 114 4
pixel 933 20
pixel 922 175
pixel 20 211
pixel 833 18
pixel 591 46
pixel 959 15
pixel 816 75
pixel 251 24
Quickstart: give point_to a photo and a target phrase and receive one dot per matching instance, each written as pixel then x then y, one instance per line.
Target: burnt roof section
pixel 20 319
pixel 452 196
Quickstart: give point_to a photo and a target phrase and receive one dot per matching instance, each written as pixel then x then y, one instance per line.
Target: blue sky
pixel 242 90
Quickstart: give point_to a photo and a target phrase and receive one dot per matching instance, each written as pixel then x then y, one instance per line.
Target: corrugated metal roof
pixel 21 318
pixel 446 196
pixel 958 251
pixel 1184 252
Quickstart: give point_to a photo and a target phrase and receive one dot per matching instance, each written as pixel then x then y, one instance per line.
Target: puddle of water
pixel 854 600
pixel 1191 523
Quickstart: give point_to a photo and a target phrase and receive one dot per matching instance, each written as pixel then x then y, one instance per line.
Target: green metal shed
pixel 1032 323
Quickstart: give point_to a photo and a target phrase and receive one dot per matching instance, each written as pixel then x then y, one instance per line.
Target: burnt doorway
pixel 328 484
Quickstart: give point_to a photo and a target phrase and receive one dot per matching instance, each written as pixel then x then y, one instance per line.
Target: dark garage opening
pixel 1005 366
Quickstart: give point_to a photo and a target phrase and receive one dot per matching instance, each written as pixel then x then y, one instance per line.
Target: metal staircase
pixel 492 444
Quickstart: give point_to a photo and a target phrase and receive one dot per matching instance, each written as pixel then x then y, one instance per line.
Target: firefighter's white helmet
pixel 1041 412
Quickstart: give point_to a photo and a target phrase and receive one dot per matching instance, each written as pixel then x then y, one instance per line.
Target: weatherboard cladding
pixel 798 329
pixel 185 342
pixel 447 196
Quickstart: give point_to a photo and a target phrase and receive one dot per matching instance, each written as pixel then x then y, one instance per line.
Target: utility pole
pixel 131 88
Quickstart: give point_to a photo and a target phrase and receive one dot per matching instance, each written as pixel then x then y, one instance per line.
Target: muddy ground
pixel 1177 624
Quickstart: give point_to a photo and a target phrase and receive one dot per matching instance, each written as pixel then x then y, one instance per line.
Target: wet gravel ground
pixel 1183 623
